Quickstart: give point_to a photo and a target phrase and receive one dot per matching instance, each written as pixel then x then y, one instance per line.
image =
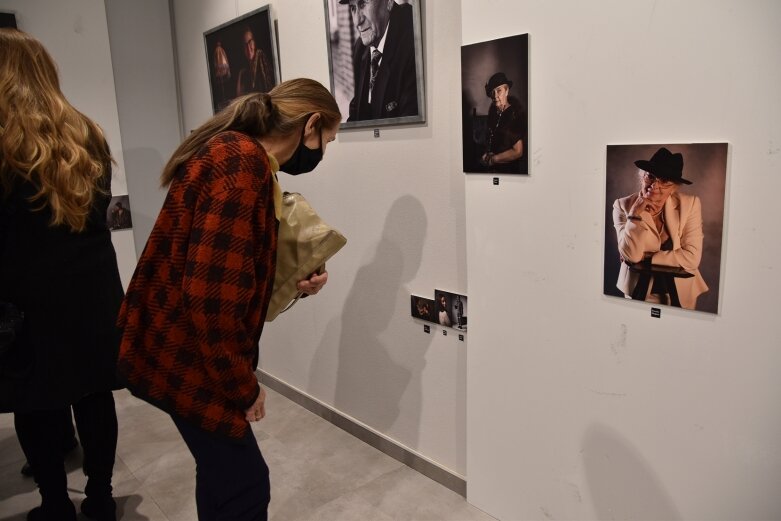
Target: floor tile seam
pixel 142 485
pixel 148 494
pixel 145 465
pixel 356 496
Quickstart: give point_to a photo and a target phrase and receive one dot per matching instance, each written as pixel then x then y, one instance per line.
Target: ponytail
pixel 281 111
pixel 252 114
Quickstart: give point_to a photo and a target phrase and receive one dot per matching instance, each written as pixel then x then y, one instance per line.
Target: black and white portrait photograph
pixel 375 55
pixel 241 57
pixel 494 90
pixel 450 309
pixel 664 221
pixel 422 308
pixel 118 213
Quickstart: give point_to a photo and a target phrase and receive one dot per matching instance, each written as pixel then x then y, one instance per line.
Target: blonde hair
pixel 282 111
pixel 43 138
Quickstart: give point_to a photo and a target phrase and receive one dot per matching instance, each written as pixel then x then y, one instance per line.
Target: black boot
pixel 96 421
pixel 69 443
pixel 41 443
pixel 27 469
pixel 62 511
pixel 99 509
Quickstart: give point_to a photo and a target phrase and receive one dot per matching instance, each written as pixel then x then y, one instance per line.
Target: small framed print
pixel 422 308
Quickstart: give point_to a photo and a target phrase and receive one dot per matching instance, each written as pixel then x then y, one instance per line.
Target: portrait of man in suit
pixel 384 81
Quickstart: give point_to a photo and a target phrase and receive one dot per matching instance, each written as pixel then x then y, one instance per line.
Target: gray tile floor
pixel 318 472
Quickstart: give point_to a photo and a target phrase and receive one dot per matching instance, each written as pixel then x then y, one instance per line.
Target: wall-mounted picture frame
pixel 376 89
pixel 118 216
pixel 664 223
pixel 422 308
pixel 494 105
pixel 450 309
pixel 241 57
pixel 8 20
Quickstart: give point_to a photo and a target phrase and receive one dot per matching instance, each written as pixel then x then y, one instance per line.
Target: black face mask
pixel 304 158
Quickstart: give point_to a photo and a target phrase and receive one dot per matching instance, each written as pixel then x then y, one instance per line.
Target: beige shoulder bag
pixel 304 243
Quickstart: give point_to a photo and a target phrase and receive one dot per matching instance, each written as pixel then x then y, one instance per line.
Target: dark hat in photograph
pixel 497 79
pixel 664 165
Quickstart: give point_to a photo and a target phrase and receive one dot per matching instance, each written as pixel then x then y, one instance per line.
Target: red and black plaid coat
pixel 195 308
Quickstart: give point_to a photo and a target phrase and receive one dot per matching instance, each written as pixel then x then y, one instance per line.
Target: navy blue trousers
pixel 231 476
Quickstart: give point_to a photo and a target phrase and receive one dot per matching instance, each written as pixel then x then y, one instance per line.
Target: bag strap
pixel 293 302
pixel 301 294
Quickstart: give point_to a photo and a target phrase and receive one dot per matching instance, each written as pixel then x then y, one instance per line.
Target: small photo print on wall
pixel 664 222
pixel 375 58
pixel 450 309
pixel 241 57
pixel 8 20
pixel 494 105
pixel 422 308
pixel 118 213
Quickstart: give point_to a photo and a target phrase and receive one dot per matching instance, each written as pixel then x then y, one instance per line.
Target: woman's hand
pixel 313 284
pixel 645 202
pixel 648 201
pixel 257 411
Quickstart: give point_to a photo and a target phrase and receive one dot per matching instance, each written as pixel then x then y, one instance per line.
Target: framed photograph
pixel 118 213
pixel 450 309
pixel 494 104
pixel 7 20
pixel 375 59
pixel 242 57
pixel 664 222
pixel 422 308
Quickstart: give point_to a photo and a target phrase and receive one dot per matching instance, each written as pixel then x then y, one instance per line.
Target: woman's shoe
pixel 103 509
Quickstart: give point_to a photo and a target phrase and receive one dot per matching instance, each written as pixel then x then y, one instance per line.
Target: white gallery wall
pixel 142 55
pixel 399 200
pixel 582 406
pixel 76 35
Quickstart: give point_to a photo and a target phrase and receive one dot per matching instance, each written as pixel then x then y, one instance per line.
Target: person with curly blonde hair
pixel 59 268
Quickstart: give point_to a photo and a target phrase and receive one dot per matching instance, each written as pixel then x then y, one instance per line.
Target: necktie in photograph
pixel 375 65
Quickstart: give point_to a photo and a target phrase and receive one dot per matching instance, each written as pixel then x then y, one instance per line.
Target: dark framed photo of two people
pixel 242 57
pixel 375 57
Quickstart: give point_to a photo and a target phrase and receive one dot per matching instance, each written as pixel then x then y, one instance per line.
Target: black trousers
pixel 231 477
pixel 41 435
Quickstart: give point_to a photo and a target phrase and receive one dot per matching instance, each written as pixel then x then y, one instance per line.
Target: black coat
pixel 68 286
pixel 396 88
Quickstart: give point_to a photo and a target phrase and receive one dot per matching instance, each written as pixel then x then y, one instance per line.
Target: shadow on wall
pixel 622 483
pixel 377 366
